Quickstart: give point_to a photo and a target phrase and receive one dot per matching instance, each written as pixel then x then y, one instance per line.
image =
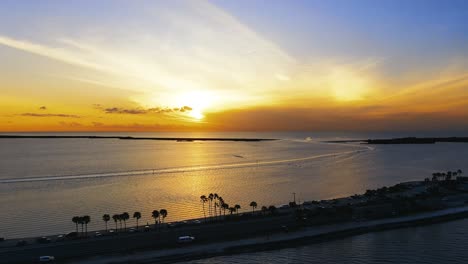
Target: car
pixel 21 243
pixel 97 234
pixel 43 240
pixel 147 228
pixel 132 230
pixel 196 222
pixel 185 239
pixel 60 238
pixel 111 232
pixel 46 258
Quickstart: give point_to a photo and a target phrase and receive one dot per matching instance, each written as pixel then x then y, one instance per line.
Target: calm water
pixel 82 176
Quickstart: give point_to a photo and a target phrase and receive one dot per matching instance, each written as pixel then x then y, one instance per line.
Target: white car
pixel 46 258
pixel 185 239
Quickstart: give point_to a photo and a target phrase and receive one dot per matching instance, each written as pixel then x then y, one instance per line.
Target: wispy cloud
pixel 50 115
pixel 142 111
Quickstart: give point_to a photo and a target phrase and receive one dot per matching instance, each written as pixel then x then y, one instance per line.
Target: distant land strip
pixel 189 139
pixel 407 140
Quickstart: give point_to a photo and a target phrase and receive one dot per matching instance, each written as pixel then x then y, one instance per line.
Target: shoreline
pixel 404 141
pixel 178 139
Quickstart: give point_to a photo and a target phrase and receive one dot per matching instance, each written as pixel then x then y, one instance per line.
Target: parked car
pixel 60 238
pixel 97 234
pixel 185 239
pixel 132 230
pixel 46 258
pixel 147 228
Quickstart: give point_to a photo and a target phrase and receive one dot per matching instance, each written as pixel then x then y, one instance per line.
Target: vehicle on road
pixel 185 239
pixel 46 258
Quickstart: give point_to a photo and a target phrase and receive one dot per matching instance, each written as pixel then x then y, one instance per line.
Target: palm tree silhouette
pixel 203 200
pixel 106 219
pixel 76 220
pixel 137 216
pixel 232 210
pixel 264 209
pixel 216 204
pixel 221 202
pixel 253 204
pixel 272 209
pixel 225 207
pixel 210 197
pixel 163 213
pixel 81 221
pixel 115 218
pixel 86 220
pixel 125 217
pixel 237 208
pixel 155 215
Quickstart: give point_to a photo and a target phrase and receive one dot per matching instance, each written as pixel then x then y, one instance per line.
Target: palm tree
pixel 86 220
pixel 137 216
pixel 272 209
pixel 459 172
pixel 237 208
pixel 115 218
pixel 216 204
pixel 125 217
pixel 81 221
pixel 232 210
pixel 253 204
pixel 106 219
pixel 163 213
pixel 155 215
pixel 221 202
pixel 210 197
pixel 203 200
pixel 76 220
pixel 264 209
pixel 225 207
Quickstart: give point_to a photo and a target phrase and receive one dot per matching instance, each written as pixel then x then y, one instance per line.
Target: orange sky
pixel 212 66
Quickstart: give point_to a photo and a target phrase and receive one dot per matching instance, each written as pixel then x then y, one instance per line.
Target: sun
pixel 196 114
pixel 199 101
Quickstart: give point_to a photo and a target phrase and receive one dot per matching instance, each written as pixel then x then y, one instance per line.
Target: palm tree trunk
pixel 106 226
pixel 137 224
pixel 204 213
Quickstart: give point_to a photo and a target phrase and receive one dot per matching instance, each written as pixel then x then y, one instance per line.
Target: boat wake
pixel 180 169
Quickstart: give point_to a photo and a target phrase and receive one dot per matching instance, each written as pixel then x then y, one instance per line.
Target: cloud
pixel 42 108
pixel 50 115
pixel 141 111
pixel 70 124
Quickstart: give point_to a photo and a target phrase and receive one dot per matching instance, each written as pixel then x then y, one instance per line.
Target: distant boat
pixel 238 156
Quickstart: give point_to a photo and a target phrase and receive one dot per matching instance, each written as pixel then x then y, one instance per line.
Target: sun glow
pixel 199 101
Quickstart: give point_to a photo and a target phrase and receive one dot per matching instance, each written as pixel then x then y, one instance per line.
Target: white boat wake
pixel 187 169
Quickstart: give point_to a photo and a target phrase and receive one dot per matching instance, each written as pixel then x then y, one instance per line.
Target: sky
pixel 257 65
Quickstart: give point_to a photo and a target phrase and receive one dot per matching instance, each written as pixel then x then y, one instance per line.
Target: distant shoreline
pixel 406 140
pixel 178 139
